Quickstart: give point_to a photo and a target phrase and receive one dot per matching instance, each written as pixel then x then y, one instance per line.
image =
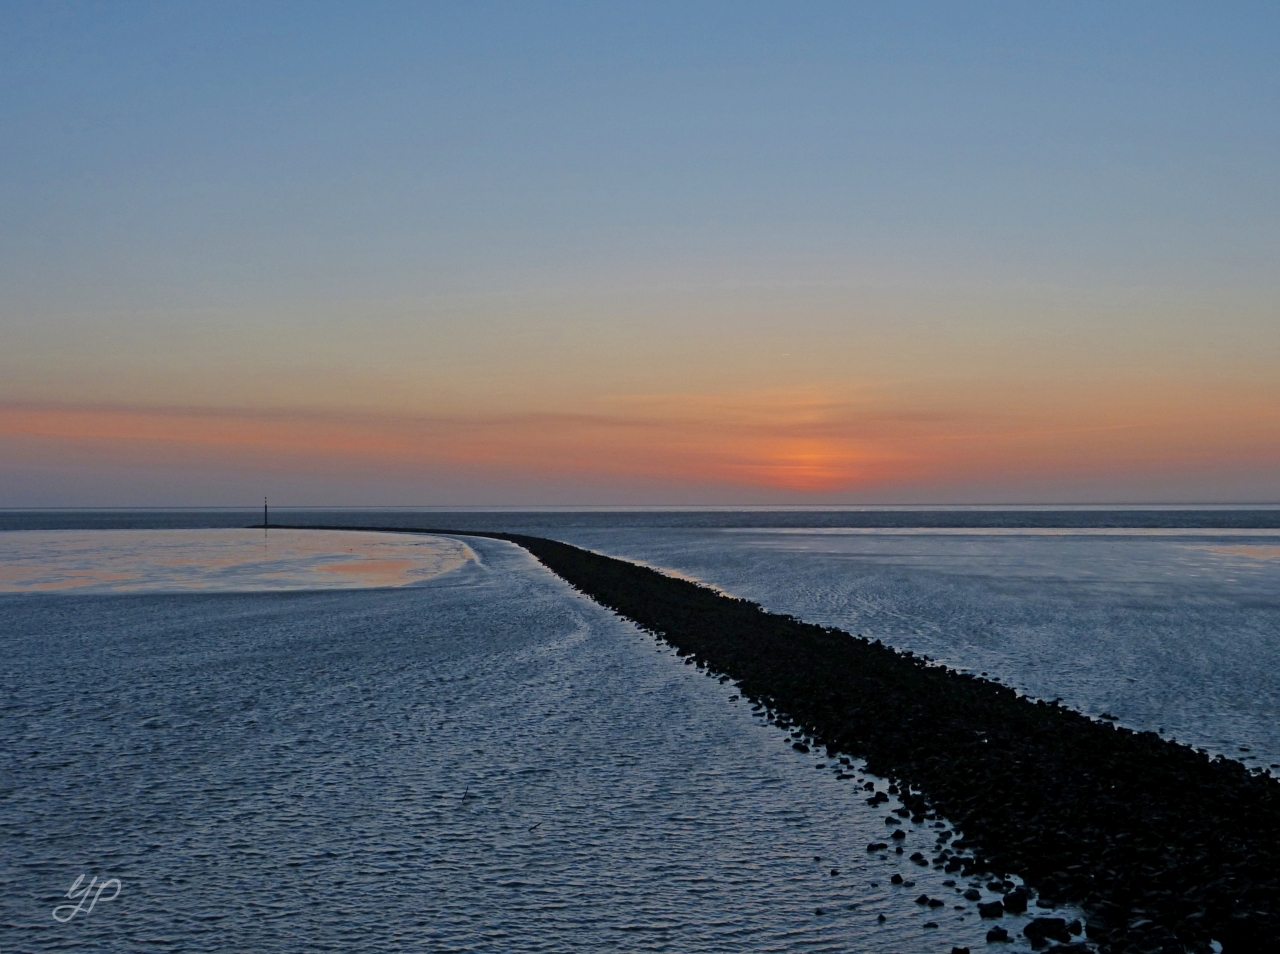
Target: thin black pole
pixel 264 513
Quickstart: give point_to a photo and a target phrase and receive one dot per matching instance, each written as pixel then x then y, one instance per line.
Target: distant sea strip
pixel 1163 846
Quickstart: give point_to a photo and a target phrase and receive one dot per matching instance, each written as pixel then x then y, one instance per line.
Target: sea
pixel 218 737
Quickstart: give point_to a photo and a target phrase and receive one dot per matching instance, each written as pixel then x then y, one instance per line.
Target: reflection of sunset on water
pixel 27 577
pixel 137 561
pixel 372 571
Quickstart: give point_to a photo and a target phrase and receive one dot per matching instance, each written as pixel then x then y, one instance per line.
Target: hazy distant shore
pixel 532 520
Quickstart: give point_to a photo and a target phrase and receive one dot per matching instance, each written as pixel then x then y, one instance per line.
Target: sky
pixel 599 253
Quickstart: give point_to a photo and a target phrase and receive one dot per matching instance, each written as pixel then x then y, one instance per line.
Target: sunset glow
pixel 748 446
pixel 639 257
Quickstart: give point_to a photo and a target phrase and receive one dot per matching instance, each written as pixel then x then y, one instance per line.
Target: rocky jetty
pixel 1163 847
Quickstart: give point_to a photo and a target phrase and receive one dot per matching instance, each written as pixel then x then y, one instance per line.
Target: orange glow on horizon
pixel 797 443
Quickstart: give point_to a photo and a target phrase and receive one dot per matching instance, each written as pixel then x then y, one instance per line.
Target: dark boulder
pixel 1041 930
pixel 1015 902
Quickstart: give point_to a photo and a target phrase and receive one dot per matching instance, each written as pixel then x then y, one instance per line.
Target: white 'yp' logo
pixel 65 912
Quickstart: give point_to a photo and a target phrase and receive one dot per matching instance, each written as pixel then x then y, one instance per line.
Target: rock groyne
pixel 1164 847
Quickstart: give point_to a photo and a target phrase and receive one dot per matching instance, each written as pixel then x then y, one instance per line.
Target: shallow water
pixel 1170 630
pixel 219 560
pixel 485 761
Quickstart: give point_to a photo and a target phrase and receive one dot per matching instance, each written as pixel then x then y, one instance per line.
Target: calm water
pixel 159 561
pixel 479 761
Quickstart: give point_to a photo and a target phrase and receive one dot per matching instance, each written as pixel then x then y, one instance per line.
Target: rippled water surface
pixel 485 761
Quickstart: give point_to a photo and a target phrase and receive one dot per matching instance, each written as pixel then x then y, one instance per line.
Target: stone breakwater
pixel 1164 847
